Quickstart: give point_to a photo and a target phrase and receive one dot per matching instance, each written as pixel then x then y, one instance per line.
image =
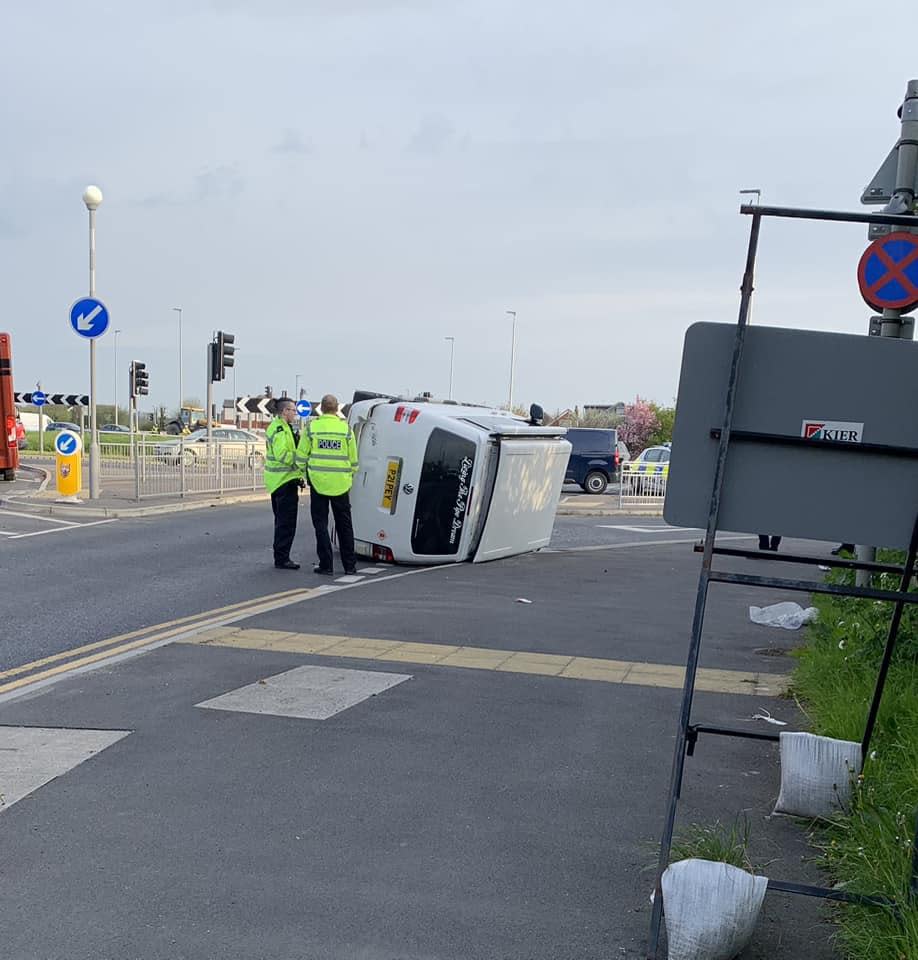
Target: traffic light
pixel 140 379
pixel 222 352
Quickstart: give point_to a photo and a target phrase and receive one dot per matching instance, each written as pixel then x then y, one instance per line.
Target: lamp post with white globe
pixel 92 197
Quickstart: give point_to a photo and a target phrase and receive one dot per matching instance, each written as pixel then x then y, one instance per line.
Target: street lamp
pixel 452 347
pixel 116 332
pixel 512 313
pixel 296 388
pixel 92 197
pixel 181 399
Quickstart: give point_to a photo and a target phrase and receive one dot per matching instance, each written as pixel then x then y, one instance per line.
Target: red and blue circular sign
pixel 888 272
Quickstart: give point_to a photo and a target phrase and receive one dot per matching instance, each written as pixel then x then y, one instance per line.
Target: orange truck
pixel 9 446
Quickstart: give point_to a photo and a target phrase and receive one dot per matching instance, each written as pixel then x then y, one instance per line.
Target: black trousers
pixel 341 510
pixel 765 544
pixel 284 502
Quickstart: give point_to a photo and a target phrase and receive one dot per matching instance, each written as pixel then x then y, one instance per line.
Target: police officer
pixel 283 480
pixel 327 453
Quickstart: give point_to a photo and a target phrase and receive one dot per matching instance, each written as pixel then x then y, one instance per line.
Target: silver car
pixel 234 447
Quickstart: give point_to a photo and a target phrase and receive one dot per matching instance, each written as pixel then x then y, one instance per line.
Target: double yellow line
pixel 90 653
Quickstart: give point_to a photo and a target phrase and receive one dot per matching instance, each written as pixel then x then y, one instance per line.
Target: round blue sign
pixel 67 443
pixel 303 408
pixel 89 318
pixel 39 398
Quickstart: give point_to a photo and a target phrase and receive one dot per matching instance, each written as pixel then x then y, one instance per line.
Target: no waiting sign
pixel 888 272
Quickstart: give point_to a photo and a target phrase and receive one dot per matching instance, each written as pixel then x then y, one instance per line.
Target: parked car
pixel 114 428
pixel 235 446
pixel 596 457
pixel 63 425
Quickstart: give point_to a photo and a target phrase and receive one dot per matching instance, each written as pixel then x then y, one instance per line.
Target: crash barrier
pixel 640 488
pixel 163 468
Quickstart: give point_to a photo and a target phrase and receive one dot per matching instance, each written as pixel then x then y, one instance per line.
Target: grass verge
pixel 869 849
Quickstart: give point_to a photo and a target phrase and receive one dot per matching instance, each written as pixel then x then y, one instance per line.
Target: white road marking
pixel 663 529
pixel 35 516
pixel 76 526
pixel 636 543
pixel 348 578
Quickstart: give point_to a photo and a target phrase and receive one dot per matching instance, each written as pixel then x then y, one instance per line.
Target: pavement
pixel 34 490
pixel 406 765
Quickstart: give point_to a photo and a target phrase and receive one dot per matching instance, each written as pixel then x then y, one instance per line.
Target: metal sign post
pixel 732 413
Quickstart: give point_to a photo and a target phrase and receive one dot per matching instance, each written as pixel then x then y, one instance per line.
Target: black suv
pixel 595 458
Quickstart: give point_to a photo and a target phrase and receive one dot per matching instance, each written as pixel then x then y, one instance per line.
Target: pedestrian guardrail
pixel 643 485
pixel 178 467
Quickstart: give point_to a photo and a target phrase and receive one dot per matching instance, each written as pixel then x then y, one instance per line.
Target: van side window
pixel 443 494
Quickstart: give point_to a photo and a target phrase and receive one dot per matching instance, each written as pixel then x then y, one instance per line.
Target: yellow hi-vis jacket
pixel 328 452
pixel 280 455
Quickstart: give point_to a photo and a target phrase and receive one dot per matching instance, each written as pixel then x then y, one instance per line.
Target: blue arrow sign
pixel 39 399
pixel 67 443
pixel 89 318
pixel 303 408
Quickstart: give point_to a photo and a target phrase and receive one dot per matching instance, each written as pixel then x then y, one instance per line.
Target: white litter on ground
pixel 788 615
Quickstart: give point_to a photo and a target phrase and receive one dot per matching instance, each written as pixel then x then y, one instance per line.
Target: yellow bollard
pixel 68 447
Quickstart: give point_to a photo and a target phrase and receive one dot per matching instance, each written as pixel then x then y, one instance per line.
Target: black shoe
pixel 323 571
pixel 351 573
pixel 287 565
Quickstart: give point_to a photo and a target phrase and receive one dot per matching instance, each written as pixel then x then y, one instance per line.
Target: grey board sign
pixel 853 389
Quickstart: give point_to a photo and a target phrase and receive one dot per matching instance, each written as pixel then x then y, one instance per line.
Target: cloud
pixel 292 144
pixel 218 183
pixel 434 134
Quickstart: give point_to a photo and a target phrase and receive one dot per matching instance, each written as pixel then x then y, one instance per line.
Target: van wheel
pixel 595 482
pixel 9 474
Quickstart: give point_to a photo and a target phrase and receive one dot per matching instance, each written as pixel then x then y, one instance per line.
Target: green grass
pixel 715 841
pixel 868 850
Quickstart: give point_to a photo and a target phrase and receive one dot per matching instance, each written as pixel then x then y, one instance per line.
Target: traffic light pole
pixel 210 396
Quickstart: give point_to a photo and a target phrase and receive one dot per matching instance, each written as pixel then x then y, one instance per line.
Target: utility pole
pixel 512 313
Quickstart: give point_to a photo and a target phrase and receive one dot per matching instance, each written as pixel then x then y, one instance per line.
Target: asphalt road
pixel 486 813
pixel 79 582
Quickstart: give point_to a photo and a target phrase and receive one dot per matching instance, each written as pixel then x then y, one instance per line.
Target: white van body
pixel 443 483
pixel 31 420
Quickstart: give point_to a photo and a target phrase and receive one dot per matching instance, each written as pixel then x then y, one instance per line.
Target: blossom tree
pixel 638 425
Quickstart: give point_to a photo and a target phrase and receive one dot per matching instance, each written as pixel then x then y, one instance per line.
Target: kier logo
pixel 839 430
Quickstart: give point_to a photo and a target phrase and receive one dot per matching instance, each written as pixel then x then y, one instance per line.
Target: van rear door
pixel 527 486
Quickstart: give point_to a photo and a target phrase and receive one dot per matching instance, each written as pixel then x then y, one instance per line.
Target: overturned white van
pixel 442 482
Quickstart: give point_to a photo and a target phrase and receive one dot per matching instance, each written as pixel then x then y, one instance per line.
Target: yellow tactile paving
pixel 508 661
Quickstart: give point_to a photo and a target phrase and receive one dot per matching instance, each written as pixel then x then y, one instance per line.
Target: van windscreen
pixel 443 494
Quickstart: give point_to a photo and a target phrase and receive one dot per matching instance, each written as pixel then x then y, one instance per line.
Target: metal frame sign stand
pixel 688 732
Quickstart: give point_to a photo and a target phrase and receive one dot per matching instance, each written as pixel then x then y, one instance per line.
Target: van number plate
pixel 390 488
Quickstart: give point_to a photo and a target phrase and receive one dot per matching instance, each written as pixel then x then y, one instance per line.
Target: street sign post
pixel 39 399
pixel 55 399
pixel 887 273
pixel 303 408
pixel 89 318
pixel 255 405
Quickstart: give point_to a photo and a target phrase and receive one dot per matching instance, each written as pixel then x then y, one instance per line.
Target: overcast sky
pixel 344 183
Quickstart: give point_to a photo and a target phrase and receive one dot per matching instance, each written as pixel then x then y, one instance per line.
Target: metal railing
pixel 177 468
pixel 642 489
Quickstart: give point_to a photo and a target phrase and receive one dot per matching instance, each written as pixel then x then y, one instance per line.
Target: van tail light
pixel 382 553
pixel 617 459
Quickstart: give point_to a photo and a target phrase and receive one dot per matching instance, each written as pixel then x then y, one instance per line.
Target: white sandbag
pixel 816 774
pixel 710 908
pixel 789 615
